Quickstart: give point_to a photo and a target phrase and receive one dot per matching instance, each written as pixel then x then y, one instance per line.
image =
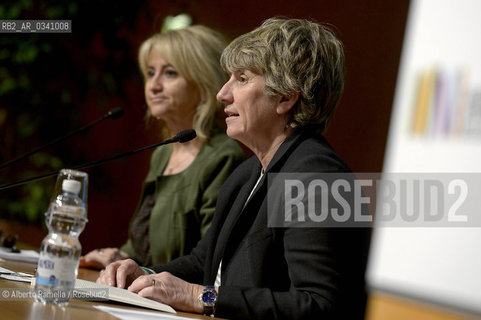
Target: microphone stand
pixel 181 137
pixel 113 113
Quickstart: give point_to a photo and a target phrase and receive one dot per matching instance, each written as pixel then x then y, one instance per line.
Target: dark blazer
pixel 278 273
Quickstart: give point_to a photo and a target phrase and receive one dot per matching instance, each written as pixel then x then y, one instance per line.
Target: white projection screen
pixel 435 128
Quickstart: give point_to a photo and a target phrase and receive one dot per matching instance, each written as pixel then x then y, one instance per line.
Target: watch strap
pixel 208 311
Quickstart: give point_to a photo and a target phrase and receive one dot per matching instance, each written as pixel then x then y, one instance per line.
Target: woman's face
pixel 251 114
pixel 168 94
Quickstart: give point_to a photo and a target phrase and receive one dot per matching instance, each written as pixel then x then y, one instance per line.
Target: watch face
pixel 209 298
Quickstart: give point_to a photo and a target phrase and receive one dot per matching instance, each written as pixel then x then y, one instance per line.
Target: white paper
pixel 23 255
pixel 15 276
pixel 122 295
pixel 129 314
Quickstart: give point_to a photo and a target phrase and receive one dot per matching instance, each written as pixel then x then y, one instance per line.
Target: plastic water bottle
pixel 60 250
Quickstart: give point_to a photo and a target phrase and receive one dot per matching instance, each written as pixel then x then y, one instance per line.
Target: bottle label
pixel 55 271
pixel 67 210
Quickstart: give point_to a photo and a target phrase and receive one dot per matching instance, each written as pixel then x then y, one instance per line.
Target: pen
pixel 16 274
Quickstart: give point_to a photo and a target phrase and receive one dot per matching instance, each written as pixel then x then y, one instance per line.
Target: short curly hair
pixel 294 55
pixel 194 52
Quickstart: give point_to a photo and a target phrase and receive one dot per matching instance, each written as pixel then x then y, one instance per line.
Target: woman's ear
pixel 287 103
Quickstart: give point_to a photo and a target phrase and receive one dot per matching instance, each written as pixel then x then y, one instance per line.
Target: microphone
pixel 183 136
pixel 114 113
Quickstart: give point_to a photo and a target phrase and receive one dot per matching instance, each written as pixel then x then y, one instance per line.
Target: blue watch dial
pixel 209 297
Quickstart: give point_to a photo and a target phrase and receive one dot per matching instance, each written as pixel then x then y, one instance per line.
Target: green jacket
pixel 185 202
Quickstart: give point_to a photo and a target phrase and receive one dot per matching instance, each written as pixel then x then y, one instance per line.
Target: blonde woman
pixel 182 76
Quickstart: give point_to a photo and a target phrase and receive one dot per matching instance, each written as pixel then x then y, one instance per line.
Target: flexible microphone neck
pixel 114 113
pixel 183 136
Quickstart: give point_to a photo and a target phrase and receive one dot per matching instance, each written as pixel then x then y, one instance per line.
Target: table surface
pixel 76 309
pixel 380 306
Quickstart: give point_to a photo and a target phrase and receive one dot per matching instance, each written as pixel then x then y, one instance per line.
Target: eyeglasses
pixel 9 242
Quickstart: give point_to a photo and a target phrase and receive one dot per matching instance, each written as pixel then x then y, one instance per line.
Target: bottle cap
pixel 72 186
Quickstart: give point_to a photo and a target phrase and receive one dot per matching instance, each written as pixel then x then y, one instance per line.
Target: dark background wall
pixel 98 66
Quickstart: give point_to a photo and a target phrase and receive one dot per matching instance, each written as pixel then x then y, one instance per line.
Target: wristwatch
pixel 207 299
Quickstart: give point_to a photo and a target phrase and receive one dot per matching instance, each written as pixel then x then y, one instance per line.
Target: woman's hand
pixel 100 258
pixel 120 273
pixel 168 289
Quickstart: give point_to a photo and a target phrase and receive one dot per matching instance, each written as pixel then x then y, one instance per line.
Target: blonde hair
pixel 194 52
pixel 294 55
